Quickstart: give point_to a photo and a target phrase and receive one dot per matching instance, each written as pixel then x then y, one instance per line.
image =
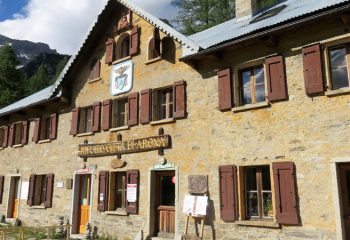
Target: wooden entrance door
pixel 84 199
pixel 165 204
pixel 14 197
pixel 344 188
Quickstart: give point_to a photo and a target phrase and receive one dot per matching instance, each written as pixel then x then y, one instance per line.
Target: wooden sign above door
pixel 124 147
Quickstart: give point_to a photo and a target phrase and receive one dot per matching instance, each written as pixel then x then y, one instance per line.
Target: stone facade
pixel 309 131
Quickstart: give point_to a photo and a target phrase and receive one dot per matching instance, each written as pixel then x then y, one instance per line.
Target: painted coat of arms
pixel 122 78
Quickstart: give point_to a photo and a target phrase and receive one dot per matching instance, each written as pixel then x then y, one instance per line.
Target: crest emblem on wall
pixel 122 78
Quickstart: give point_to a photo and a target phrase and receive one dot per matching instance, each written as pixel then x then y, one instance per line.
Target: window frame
pixel 114 123
pixel 330 80
pixel 40 192
pixel 156 103
pixel 118 52
pixel 18 134
pixel 45 121
pixel 112 199
pixel 237 101
pixel 80 120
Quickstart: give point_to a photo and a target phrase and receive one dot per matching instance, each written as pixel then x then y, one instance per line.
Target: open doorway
pixel 82 203
pixel 14 197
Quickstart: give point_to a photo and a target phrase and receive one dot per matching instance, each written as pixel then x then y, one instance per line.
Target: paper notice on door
pixel 201 206
pixel 24 190
pixel 131 193
pixel 188 206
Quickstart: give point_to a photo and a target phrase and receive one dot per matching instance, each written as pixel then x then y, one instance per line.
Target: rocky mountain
pixel 26 50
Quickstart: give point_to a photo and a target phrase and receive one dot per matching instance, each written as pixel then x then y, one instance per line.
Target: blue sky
pixel 62 23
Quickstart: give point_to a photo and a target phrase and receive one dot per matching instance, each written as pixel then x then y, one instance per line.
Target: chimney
pixel 245 9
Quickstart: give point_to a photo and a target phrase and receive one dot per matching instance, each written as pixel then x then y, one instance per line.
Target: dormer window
pixel 262 4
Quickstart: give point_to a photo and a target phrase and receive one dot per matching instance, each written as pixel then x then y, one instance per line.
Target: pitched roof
pixel 233 29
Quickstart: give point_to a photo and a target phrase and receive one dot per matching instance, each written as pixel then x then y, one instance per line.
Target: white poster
pixel 122 78
pixel 24 190
pixel 201 206
pixel 131 192
pixel 188 206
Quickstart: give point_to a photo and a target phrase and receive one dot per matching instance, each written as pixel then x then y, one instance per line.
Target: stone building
pixel 258 107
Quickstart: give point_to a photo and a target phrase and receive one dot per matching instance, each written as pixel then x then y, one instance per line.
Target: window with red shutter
pixel 49 190
pixel 96 116
pixel 133 108
pixel 132 177
pixel 2 181
pixel 109 51
pixel 154 45
pixel 145 106
pixel 103 191
pixel 53 126
pixel 313 75
pixel 95 70
pixel 225 89
pixel 285 193
pixel 228 193
pixel 179 93
pixel 134 41
pixel 25 130
pixel 276 81
pixel 31 191
pixel 106 113
pixel 119 113
pixel 74 121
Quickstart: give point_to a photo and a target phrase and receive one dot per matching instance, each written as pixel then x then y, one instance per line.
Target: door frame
pixel 8 193
pixel 90 172
pixel 150 203
pixel 336 195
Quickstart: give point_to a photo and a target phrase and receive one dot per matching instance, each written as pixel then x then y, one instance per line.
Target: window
pixel 258 195
pixel 261 4
pixel 120 113
pixel 163 104
pixel 95 70
pixel 339 58
pixel 85 120
pixel 2 135
pixel 125 47
pixel 252 85
pixel 154 45
pixel 40 190
pixel 18 133
pixel 45 128
pixel 117 197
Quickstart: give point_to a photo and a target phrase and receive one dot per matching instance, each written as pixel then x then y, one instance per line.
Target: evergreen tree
pixel 198 15
pixel 38 81
pixel 11 79
pixel 59 68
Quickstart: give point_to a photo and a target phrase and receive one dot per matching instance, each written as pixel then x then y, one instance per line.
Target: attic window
pixel 269 13
pixel 154 45
pixel 262 4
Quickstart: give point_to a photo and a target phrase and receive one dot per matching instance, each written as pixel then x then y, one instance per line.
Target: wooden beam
pixel 270 41
pixel 345 18
pixel 217 56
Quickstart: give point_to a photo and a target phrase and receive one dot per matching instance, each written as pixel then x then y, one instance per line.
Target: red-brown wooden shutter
pixel 76 204
pixel 2 181
pixel 145 106
pixel 313 69
pixel 4 143
pixel 31 191
pixel 285 195
pixel 11 135
pixel 179 94
pixel 132 177
pixel 228 193
pixel 36 133
pixel 96 117
pixel 134 41
pixel 109 51
pixel 97 69
pixel 155 45
pixel 25 130
pixel 53 126
pixel 49 190
pixel 276 82
pixel 133 108
pixel 106 113
pixel 103 191
pixel 74 123
pixel 225 89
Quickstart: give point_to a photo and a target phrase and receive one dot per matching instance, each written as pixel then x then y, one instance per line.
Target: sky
pixel 62 23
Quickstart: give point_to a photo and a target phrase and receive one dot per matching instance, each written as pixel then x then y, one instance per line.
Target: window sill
pixel 85 134
pixel 258 223
pixel 44 141
pixel 17 146
pixel 164 121
pixel 94 80
pixel 153 60
pixel 121 60
pixel 119 129
pixel 337 92
pixel 251 107
pixel 120 212
pixel 37 207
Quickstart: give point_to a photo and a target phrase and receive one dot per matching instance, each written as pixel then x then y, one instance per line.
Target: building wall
pixel 310 131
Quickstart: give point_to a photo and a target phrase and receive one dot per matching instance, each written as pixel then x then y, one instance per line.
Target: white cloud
pixel 62 24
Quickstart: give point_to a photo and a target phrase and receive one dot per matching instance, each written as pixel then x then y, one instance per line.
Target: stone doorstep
pixel 77 236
